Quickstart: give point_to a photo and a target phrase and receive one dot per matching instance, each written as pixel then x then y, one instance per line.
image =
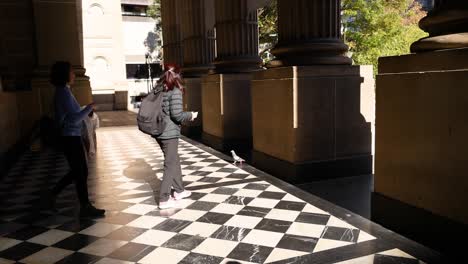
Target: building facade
pixel 118 41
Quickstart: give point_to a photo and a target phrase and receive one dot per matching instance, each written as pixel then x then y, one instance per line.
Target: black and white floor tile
pixel 233 215
pixel 386 257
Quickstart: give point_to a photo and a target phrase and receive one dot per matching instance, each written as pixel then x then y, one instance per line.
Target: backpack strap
pixel 159 88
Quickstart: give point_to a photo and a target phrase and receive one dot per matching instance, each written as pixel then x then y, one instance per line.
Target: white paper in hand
pixel 194 115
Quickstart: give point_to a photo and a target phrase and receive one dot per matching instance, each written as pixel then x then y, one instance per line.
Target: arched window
pixel 100 65
pixel 96 10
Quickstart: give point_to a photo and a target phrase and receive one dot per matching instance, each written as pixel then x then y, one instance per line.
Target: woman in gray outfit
pixel 169 139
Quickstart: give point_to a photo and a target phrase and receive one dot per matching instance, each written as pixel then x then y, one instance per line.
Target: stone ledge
pixel 444 60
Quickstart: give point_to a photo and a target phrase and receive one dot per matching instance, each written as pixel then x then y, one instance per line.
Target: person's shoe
pixel 171 203
pixel 182 195
pixel 91 211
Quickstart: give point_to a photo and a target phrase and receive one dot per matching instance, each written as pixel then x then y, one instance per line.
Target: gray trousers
pixel 172 176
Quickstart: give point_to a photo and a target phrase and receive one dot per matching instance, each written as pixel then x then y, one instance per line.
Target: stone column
pixel 306 109
pixel 421 143
pixel 198 38
pixel 172 42
pixel 226 93
pixel 309 33
pixel 447 25
pixel 237 36
pixel 59 36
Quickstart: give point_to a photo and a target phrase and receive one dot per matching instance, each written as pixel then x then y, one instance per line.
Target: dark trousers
pixel 76 157
pixel 172 176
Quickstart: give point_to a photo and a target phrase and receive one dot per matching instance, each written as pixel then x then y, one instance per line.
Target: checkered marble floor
pixel 234 213
pixel 389 256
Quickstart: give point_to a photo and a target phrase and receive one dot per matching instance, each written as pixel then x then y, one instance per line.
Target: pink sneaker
pixel 171 203
pixel 182 195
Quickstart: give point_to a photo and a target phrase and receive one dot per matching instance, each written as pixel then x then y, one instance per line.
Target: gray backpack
pixel 150 117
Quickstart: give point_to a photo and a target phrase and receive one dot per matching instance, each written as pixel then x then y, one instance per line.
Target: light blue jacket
pixel 68 112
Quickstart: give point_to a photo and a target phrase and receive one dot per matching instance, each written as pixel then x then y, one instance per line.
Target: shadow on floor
pixel 352 193
pixel 141 170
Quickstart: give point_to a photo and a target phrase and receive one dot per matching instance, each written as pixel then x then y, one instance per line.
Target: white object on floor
pixel 236 158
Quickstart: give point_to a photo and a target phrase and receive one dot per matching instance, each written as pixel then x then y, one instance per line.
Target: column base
pixel 312 114
pixel 450 41
pixel 326 52
pixel 237 64
pixel 226 108
pixel 82 90
pixel 193 132
pixel 196 71
pixel 419 225
pixel 312 171
pixel 421 143
pixel 227 144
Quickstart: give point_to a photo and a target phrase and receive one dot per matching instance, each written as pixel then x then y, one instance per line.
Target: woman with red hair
pixel 169 139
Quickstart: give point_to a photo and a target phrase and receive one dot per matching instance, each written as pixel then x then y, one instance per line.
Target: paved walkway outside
pixel 236 213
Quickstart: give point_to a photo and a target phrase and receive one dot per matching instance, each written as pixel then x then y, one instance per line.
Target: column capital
pixel 447 25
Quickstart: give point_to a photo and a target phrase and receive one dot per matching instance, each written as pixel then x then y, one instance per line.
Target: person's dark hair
pixel 172 78
pixel 60 73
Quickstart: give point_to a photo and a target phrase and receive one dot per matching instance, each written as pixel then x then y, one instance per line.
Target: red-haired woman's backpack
pixel 150 117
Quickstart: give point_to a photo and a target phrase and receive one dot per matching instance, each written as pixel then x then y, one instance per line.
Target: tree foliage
pixel 376 28
pixel 154 10
pixel 153 41
pixel 268 33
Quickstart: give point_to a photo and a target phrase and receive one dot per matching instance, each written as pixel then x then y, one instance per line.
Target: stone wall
pixel 422 128
pixel 17 61
pixel 17 47
pixel 8 121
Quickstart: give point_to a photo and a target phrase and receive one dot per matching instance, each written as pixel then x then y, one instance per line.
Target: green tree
pixel 372 28
pixel 376 28
pixel 268 33
pixel 154 10
pixel 154 39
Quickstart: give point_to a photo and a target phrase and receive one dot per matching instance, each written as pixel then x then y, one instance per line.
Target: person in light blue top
pixel 69 117
pixel 68 112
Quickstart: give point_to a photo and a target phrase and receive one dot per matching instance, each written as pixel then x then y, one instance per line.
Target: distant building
pixel 116 36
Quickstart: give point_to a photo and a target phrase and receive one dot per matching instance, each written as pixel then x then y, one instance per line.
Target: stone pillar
pixel 198 36
pixel 306 109
pixel 237 36
pixel 59 36
pixel 421 143
pixel 172 42
pixel 447 25
pixel 198 41
pixel 309 33
pixel 226 93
